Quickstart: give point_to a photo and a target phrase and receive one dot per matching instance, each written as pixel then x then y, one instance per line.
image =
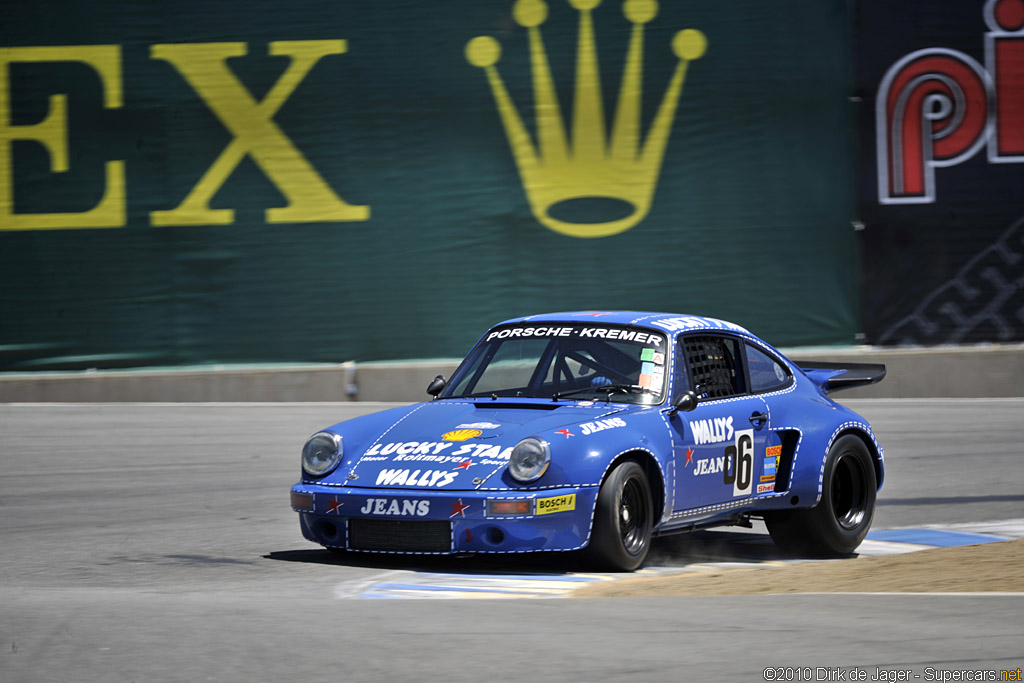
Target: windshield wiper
pixel 608 389
pixel 581 390
pixel 626 389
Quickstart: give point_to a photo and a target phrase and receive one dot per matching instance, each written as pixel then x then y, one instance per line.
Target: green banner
pixel 198 182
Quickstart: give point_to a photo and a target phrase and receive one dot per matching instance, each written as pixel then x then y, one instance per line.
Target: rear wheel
pixel 841 519
pixel 623 519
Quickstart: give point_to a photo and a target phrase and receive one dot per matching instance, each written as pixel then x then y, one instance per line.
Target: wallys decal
pixel 715 430
pixel 419 478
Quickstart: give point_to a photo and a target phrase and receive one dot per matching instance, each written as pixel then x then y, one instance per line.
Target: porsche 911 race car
pixel 594 432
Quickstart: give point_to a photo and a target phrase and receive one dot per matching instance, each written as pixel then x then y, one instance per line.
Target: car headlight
pixel 321 454
pixel 530 459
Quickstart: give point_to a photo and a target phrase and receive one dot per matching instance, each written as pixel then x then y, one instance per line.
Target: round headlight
pixel 321 454
pixel 530 459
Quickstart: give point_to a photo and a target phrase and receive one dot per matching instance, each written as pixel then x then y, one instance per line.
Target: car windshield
pixel 565 360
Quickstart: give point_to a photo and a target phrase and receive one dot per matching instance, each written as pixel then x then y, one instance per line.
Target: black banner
pixel 942 171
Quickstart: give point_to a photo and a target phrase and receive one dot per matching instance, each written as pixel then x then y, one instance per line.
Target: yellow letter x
pixel 204 66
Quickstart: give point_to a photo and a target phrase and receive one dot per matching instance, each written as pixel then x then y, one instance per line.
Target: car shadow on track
pixel 715 546
pixel 667 552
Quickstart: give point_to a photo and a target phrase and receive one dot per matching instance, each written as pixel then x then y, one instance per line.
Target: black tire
pixel 623 520
pixel 841 519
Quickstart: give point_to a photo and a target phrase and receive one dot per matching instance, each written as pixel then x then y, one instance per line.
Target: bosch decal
pixel 546 506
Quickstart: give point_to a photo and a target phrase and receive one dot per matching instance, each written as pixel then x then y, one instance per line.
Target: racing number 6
pixel 739 463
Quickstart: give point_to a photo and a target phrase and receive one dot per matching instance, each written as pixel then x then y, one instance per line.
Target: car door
pixel 716 446
pixel 769 378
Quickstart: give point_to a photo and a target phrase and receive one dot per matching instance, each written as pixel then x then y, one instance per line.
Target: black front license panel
pixel 385 535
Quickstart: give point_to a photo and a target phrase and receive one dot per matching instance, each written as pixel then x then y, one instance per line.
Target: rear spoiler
pixel 835 376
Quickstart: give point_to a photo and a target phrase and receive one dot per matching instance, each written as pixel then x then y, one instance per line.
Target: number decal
pixel 744 462
pixel 739 463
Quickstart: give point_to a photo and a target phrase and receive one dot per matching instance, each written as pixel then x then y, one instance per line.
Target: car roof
pixel 672 323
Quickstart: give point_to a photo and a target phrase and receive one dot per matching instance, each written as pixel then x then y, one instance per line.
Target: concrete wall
pixel 972 372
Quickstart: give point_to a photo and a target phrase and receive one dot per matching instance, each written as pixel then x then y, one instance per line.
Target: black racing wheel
pixel 623 520
pixel 841 519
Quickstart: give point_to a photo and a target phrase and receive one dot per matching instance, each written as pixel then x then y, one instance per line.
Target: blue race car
pixel 594 432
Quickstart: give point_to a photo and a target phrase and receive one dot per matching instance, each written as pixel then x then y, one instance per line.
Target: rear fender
pixel 868 438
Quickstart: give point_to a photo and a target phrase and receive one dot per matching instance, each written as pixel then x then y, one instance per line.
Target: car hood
pixel 459 445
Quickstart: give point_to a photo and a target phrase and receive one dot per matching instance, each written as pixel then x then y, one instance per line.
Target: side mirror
pixel 437 385
pixel 686 403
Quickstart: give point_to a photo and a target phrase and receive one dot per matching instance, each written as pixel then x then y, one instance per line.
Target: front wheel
pixel 623 520
pixel 841 519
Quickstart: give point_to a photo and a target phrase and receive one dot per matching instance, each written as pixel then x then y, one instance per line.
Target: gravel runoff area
pixel 988 567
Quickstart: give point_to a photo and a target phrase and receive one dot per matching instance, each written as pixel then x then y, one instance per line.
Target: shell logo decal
pixel 461 434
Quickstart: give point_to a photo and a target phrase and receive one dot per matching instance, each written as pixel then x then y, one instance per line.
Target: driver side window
pixel 713 366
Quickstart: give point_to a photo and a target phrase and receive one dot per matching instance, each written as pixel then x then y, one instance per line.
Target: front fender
pixel 583 454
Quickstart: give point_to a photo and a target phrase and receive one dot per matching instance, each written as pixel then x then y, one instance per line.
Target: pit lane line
pixel 413 585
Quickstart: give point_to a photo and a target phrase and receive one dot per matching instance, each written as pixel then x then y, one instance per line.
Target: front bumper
pixel 445 522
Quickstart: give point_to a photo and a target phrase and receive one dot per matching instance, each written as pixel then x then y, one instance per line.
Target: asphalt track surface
pixel 149 542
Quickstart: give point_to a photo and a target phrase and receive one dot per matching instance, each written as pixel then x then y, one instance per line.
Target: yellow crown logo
pixel 593 166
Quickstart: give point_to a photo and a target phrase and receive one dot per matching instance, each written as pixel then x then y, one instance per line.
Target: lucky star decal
pixel 465 464
pixel 458 509
pixel 564 431
pixel 689 457
pixel 335 506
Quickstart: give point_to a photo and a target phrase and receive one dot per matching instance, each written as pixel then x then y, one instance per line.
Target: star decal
pixel 335 506
pixel 465 464
pixel 689 457
pixel 564 431
pixel 458 509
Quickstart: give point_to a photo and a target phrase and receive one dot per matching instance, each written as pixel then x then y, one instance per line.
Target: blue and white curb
pixel 413 585
pixel 897 541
